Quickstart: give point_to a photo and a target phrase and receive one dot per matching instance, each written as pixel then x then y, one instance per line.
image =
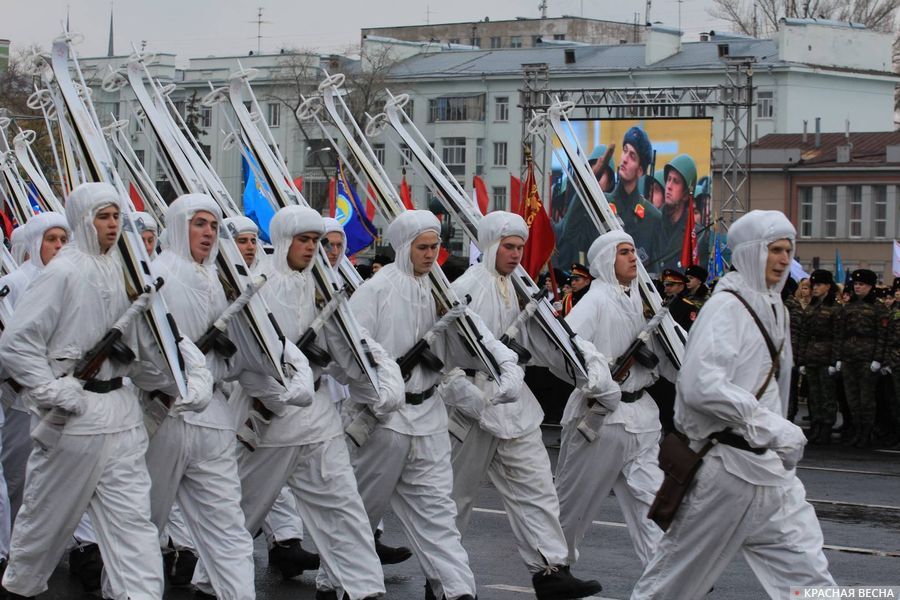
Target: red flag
pixel 298 183
pixel 515 194
pixel 332 193
pixel 443 255
pixel 135 197
pixel 541 240
pixel 7 222
pixel 405 194
pixel 481 194
pixel 370 208
pixel 689 243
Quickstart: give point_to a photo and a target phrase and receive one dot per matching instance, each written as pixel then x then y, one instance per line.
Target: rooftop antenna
pixel 647 12
pixel 259 23
pixel 679 14
pixel 428 14
pixel 109 50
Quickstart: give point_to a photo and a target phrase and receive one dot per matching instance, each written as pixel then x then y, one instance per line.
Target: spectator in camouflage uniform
pixel 892 352
pixel 859 352
pixel 814 355
pixel 794 311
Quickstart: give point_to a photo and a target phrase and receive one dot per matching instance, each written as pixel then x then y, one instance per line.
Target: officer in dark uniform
pixel 640 218
pixel 859 352
pixel 697 292
pixel 892 353
pixel 818 324
pixel 580 282
pixel 682 308
pixel 795 310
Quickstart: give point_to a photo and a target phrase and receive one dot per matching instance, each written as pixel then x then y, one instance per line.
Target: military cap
pixel 698 272
pixel 638 139
pixel 673 276
pixel 579 270
pixel 864 276
pixel 821 276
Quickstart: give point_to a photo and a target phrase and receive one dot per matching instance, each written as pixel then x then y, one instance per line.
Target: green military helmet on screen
pixel 686 167
pixel 597 154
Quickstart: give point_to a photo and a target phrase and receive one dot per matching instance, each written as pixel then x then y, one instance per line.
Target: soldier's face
pixel 861 289
pixel 626 263
pixel 334 247
pixel 202 230
pixel 657 195
pixel 673 288
pixel 423 252
pixel 676 190
pixel 820 290
pixel 302 250
pixel 54 239
pixel 149 238
pixel 509 254
pixel 579 283
pixel 246 243
pixel 693 283
pixel 106 222
pixel 629 165
pixel 778 261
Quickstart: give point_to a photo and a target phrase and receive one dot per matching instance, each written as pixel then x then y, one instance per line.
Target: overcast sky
pixel 192 28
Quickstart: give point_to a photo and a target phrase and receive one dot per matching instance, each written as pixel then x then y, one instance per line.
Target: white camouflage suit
pixel 16 418
pixel 192 456
pixel 405 465
pixel 740 501
pixel 624 456
pixel 98 463
pixel 303 446
pixel 504 441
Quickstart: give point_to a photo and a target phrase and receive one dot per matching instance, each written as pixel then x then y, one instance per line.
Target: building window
pixel 378 149
pixel 830 203
pixel 499 154
pixel 559 37
pixel 515 41
pixel 879 211
pixel 479 156
pixel 205 117
pixel 274 117
pixel 498 197
pixel 453 40
pixel 535 40
pixel 456 108
pixel 806 211
pixel 476 41
pixel 453 153
pixel 406 155
pixel 496 41
pixel 501 108
pixel 765 105
pixel 854 198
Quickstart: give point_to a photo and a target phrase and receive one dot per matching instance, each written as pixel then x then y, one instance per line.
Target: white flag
pixel 896 258
pixel 797 271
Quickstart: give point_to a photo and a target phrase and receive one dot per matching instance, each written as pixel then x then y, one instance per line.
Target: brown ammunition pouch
pixel 680 464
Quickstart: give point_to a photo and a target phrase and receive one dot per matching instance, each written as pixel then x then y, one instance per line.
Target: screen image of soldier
pixel 680 177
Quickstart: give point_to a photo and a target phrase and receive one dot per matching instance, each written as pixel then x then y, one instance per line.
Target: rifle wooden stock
pixel 110 346
pixel 637 352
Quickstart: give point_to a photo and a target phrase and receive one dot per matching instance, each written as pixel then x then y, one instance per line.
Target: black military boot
pixel 182 568
pixel 331 595
pixel 86 565
pixel 389 555
pixel 291 559
pixel 558 583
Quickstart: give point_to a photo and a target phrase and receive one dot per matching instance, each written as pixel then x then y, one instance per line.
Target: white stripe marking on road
pixel 854 471
pixel 857 504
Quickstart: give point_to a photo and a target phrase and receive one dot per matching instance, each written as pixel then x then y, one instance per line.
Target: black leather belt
pixel 629 397
pixel 100 386
pixel 420 397
pixel 735 441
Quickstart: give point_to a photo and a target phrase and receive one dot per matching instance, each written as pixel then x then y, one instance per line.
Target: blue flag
pixel 349 212
pixel 838 267
pixel 33 198
pixel 256 202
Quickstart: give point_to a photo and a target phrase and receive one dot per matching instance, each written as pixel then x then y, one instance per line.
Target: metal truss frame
pixel 735 97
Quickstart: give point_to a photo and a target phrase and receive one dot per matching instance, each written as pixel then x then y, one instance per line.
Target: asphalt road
pixel 856 494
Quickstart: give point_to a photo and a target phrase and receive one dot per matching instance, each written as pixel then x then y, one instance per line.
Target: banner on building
pixel 658 225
